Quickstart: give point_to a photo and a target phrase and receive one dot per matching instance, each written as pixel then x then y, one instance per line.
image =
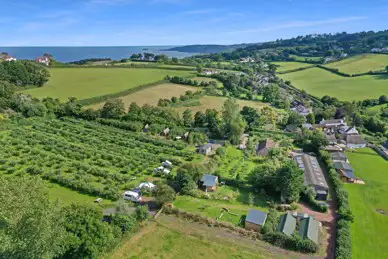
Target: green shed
pixel 309 228
pixel 287 224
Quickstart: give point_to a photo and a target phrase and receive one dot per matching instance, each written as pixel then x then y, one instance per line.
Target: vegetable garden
pixel 86 157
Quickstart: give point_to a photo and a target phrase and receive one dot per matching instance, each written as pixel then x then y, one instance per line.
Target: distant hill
pixel 211 48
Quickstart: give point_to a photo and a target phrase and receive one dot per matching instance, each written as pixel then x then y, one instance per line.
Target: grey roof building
pixel 209 180
pixel 339 156
pixel 256 217
pixel 345 168
pixel 313 174
pixel 355 140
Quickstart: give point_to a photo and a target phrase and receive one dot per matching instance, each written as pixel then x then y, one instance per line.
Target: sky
pixel 180 22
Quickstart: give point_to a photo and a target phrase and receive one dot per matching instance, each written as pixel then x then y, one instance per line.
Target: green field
pixel 370 228
pixel 303 58
pixel 361 63
pixel 215 102
pixel 153 64
pixel 319 82
pixel 238 205
pixel 85 83
pixel 171 238
pixel 285 66
pixel 152 95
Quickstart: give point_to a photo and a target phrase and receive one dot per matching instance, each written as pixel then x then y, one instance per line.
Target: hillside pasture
pixel 361 63
pixel 369 204
pixel 84 83
pixel 152 95
pixel 153 64
pixel 170 238
pixel 305 58
pixel 216 102
pixel 319 82
pixel 285 66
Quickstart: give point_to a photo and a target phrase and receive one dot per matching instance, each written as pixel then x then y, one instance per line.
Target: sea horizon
pixel 75 53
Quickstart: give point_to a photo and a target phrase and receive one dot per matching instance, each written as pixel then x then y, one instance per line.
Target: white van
pixel 132 196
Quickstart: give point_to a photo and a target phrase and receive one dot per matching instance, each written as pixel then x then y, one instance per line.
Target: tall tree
pixel 291 179
pixel 88 236
pixel 234 124
pixel 187 118
pixel 113 109
pixel 30 225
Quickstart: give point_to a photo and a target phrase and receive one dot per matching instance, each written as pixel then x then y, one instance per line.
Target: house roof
pixel 355 139
pixel 331 138
pixel 337 121
pixel 256 217
pixel 309 228
pixel 267 143
pixel 339 156
pixel 313 174
pixel 209 180
pixel 287 224
pixel 343 166
pixel 205 146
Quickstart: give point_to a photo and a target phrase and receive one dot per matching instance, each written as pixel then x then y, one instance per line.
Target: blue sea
pixel 68 54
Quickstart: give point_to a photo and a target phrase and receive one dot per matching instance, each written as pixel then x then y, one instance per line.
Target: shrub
pixel 142 213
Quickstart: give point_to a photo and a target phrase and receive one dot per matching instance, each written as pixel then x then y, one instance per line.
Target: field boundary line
pixel 103 98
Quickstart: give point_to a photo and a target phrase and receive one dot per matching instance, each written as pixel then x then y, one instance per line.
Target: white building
pixel 43 60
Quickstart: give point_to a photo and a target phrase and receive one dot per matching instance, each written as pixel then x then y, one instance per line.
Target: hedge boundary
pixel 104 98
pixel 343 248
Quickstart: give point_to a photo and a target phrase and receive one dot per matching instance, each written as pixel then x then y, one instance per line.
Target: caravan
pixel 132 196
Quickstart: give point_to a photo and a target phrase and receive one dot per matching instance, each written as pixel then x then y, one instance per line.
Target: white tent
pixel 147 185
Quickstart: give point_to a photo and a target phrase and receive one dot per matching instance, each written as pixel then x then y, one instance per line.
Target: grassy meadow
pixel 152 95
pixel 319 82
pixel 178 239
pixel 361 63
pixel 215 102
pixel 370 228
pixel 238 205
pixel 285 66
pixel 85 83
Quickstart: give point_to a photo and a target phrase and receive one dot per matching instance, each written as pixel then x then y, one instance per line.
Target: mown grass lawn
pixel 152 95
pixel 370 228
pixel 319 82
pixel 84 83
pixel 213 208
pixel 284 66
pixel 66 196
pixel 215 102
pixel 361 63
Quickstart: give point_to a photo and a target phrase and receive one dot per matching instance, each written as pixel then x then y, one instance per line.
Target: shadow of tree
pixel 381 77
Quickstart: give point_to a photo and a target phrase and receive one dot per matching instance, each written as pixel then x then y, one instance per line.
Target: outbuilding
pixel 209 182
pixel 255 220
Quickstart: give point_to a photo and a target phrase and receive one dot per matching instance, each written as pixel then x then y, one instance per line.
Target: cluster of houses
pixel 247 60
pixel 379 50
pixel 7 57
pixel 290 223
pixel 42 60
pixel 164 169
pixel 338 133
